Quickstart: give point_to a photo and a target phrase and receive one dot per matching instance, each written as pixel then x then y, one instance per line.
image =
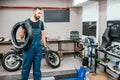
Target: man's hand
pixel 45 49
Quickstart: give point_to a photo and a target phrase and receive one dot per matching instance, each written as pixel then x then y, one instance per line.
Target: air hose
pixel 29 37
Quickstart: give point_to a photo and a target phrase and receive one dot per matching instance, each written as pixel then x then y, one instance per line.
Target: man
pixel 34 53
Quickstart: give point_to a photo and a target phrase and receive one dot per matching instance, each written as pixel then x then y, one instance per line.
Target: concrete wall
pixel 102 20
pixel 90 12
pixel 113 11
pixel 100 11
pixel 43 3
pixel 53 29
pixel 9 16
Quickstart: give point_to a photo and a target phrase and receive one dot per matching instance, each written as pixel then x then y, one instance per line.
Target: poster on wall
pixel 89 28
pixel 113 22
pixel 56 15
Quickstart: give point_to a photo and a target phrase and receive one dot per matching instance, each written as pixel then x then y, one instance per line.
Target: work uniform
pixel 34 53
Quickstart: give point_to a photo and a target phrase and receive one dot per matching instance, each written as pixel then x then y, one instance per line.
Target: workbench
pixel 61 45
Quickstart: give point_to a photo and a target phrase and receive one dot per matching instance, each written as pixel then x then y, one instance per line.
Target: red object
pixel 114 67
pixel 105 61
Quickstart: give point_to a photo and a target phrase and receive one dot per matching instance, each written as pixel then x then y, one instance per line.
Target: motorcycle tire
pixel 29 37
pixel 52 58
pixel 10 62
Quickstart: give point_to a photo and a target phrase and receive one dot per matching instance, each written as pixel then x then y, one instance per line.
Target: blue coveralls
pixel 33 55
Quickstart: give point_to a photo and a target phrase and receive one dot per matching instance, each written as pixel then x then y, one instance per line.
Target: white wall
pixel 43 3
pixel 11 16
pixel 63 29
pixel 90 12
pixel 113 13
pixel 113 9
pixel 54 29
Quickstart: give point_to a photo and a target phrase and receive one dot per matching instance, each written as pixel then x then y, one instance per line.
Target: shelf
pixel 8 42
pixel 104 64
pixel 110 65
pixel 66 51
pixel 110 53
pixel 113 54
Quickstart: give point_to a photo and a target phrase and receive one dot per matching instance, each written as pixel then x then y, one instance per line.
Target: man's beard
pixel 36 17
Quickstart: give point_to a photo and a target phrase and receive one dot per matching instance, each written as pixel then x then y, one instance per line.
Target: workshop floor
pixel 67 68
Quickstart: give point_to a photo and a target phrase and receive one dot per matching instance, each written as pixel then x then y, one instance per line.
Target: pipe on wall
pixel 30 7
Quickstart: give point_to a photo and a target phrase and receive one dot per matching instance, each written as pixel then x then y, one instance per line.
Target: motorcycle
pixel 12 60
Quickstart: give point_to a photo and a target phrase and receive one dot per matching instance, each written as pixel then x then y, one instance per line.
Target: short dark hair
pixel 35 8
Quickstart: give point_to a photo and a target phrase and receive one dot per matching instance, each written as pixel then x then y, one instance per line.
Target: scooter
pixel 12 60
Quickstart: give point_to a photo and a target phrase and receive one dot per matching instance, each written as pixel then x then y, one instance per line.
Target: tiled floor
pixel 46 78
pixel 66 69
pixel 68 65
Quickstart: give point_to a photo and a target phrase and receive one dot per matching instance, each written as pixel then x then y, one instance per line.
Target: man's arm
pixel 22 33
pixel 43 38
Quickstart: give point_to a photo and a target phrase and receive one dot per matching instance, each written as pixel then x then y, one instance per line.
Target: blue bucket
pixel 80 74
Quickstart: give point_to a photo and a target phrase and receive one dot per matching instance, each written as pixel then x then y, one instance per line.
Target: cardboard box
pixel 97 76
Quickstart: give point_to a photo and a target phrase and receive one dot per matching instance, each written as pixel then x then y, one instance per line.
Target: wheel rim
pixel 53 59
pixel 11 61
